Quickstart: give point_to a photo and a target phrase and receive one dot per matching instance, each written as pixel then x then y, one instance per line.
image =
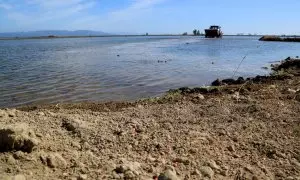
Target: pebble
pixel 249 168
pixel 183 160
pixel 291 91
pixel 82 177
pixel 39 135
pixel 281 155
pixel 76 145
pixel 41 113
pixel 18 155
pixel 272 86
pixel 231 148
pixel 224 172
pixel 11 113
pixel 193 150
pixel 129 175
pixel 129 170
pixel 10 160
pixel 2 113
pixel 213 165
pixel 200 96
pixel 151 159
pixel 168 175
pixel 207 171
pixel 56 161
pixel 196 172
pixel 236 96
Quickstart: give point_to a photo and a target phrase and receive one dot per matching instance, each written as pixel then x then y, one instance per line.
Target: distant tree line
pixel 196 32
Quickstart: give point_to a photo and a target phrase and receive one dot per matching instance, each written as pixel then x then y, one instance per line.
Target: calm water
pixel 88 69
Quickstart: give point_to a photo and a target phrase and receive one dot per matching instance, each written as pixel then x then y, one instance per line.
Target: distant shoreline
pixel 61 37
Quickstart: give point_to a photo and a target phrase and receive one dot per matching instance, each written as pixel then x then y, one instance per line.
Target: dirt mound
pixel 17 137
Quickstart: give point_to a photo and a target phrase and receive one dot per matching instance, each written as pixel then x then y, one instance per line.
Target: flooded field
pixel 125 68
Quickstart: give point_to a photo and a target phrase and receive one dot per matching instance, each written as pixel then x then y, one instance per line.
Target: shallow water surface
pixel 125 68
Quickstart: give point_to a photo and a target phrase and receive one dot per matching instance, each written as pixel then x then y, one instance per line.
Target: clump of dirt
pixel 239 131
pixel 17 137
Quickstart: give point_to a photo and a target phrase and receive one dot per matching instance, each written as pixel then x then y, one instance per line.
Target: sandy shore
pixel 248 130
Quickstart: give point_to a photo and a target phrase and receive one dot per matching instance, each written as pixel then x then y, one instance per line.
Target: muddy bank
pixel 279 38
pixel 237 131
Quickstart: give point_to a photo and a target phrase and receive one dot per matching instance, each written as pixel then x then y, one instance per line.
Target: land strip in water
pixel 280 38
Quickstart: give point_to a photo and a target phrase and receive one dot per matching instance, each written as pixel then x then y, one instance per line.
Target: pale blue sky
pixel 153 16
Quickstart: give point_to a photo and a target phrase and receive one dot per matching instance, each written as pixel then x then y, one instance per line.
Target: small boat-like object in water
pixel 213 32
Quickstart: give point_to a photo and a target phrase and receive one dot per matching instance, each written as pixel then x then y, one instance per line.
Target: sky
pixel 151 16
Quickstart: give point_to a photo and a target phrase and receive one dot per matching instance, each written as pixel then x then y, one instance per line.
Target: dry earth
pixel 249 131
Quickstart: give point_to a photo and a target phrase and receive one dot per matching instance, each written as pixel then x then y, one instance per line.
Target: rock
pixel 236 96
pixel 249 168
pixel 280 154
pixel 224 172
pixel 199 96
pixel 272 86
pixel 11 113
pixel 213 165
pixel 39 135
pixel 291 91
pixel 183 160
pixel 231 148
pixel 193 150
pixel 19 155
pixel 130 170
pixel 11 160
pixel 228 81
pixel 207 171
pixel 240 80
pixel 54 160
pixel 76 145
pixel 196 172
pixel 168 175
pixel 73 125
pixel 41 113
pixel 129 175
pixel 3 113
pixel 217 82
pixel 151 159
pixel 17 137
